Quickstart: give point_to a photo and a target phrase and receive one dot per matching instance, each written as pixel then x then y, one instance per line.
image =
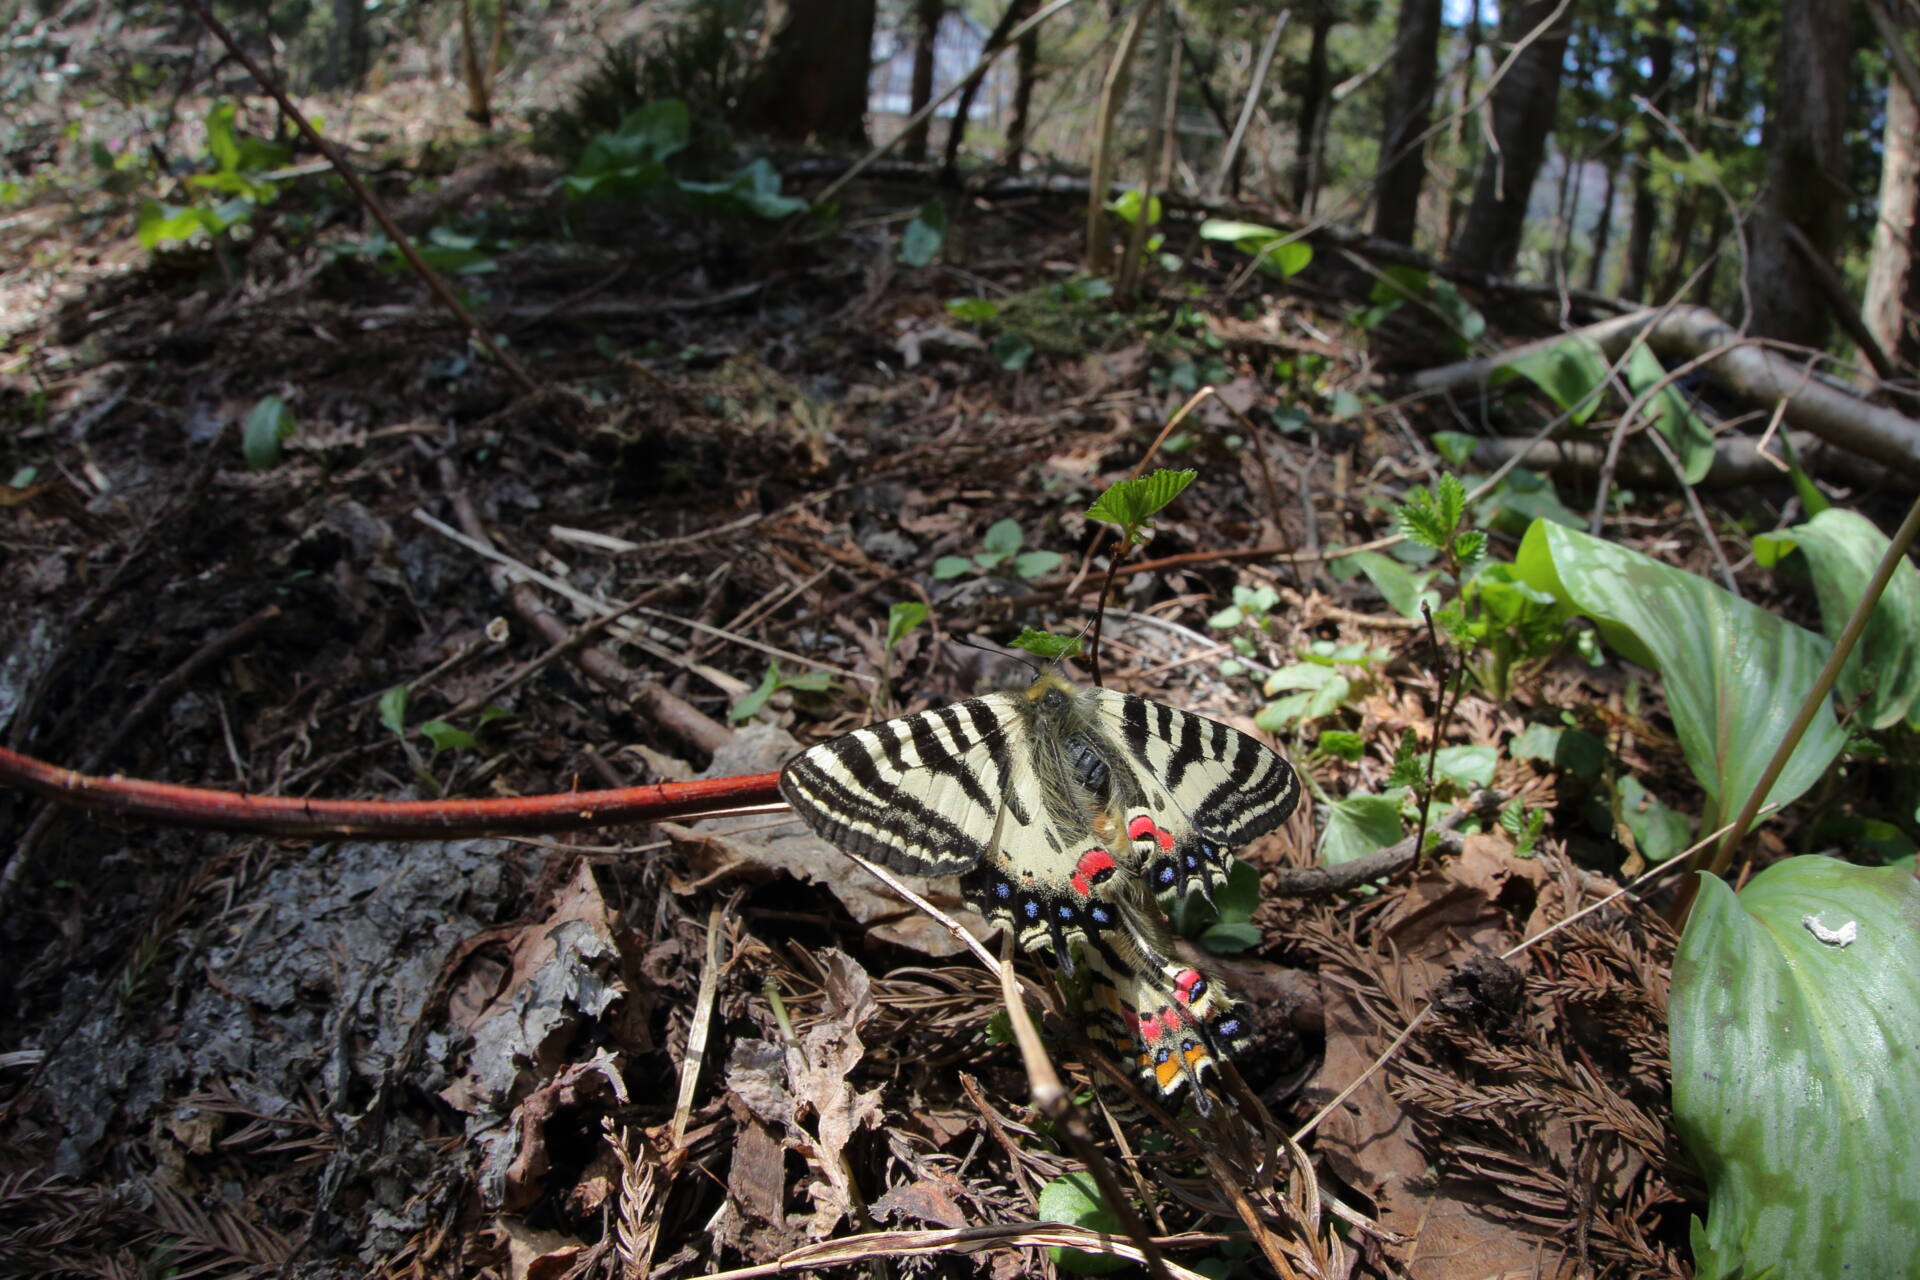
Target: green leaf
pixel 1455 446
pixel 754 699
pixel 1573 373
pixel 1573 751
pixel 1341 744
pixel 1734 673
pixel 268 423
pixel 393 709
pixel 221 144
pixel 1046 645
pixel 1300 675
pixel 1126 207
pixel 1469 768
pixel 1227 617
pixel 1282 259
pixel 23 477
pixel 1403 590
pixel 1075 1200
pixel 1359 825
pixel 973 310
pixel 1659 832
pixel 1673 415
pixel 1239 897
pixel 951 567
pixel 1003 537
pixel 1794 1061
pixel 1132 503
pixel 160 224
pixel 445 736
pixel 755 189
pixel 902 618
pixel 1230 937
pixel 489 714
pixel 1031 564
pixel 1010 351
pixel 1882 674
pixel 920 243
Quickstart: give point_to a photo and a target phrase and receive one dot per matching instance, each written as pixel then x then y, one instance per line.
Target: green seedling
pixel 999 555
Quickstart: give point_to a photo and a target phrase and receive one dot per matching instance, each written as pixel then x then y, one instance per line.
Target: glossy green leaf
pixel 1660 832
pixel 1263 242
pixel 1734 673
pixel 1359 825
pixel 1795 1057
pixel 1131 503
pixel 1075 1200
pixel 1673 415
pixel 1882 675
pixel 1573 373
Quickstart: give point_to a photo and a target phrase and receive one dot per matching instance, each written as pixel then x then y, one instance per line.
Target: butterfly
pixel 1072 814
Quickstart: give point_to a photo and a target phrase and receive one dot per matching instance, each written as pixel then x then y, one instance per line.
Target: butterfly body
pixel 1067 811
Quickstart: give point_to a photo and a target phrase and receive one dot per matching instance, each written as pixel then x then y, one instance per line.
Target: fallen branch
pixel 1744 367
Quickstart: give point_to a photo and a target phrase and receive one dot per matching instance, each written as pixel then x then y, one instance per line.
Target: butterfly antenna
pixel 998 653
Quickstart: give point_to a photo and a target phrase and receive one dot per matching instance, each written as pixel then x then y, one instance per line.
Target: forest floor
pixel 686 1048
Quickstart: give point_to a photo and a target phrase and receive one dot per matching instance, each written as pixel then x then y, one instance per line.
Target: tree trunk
pixel 1460 141
pixel 927 15
pixel 345 66
pixel 1016 12
pixel 1403 160
pixel 1633 278
pixel 1892 308
pixel 1806 174
pixel 1313 101
pixel 1027 70
pixel 1523 114
pixel 1603 228
pixel 812 83
pixel 1679 245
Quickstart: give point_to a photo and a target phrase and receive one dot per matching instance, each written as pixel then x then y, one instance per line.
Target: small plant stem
pixel 1809 707
pixel 1440 712
pixel 1100 604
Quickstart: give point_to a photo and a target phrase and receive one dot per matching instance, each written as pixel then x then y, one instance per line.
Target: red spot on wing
pixel 1144 826
pixel 1185 982
pixel 1095 865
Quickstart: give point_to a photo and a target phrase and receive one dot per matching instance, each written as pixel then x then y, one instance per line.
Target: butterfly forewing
pixel 922 794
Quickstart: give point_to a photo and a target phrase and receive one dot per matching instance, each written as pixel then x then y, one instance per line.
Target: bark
pixel 927 15
pixel 1313 103
pixel 812 83
pixel 1603 228
pixel 1806 174
pixel 1523 114
pixel 1027 70
pixel 345 66
pixel 1892 309
pixel 1633 279
pixel 1403 168
pixel 1739 366
pixel 1679 245
pixel 1459 140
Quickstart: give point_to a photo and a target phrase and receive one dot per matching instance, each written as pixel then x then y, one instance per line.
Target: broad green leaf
pixel 1341 744
pixel 902 618
pixel 1883 673
pixel 268 423
pixel 1226 618
pixel 1358 826
pixel 1794 1068
pixel 951 567
pixel 160 224
pixel 1230 937
pixel 1126 207
pixel 1284 259
pixel 1403 590
pixel 920 243
pixel 1046 645
pixel 1003 537
pixel 1010 351
pixel 1660 832
pixel 1466 767
pixel 1455 446
pixel 393 709
pixel 1573 373
pixel 1075 1200
pixel 1031 564
pixel 221 144
pixel 1300 675
pixel 1573 750
pixel 446 736
pixel 1673 415
pixel 1131 503
pixel 1869 837
pixel 1239 897
pixel 755 190
pixel 1734 673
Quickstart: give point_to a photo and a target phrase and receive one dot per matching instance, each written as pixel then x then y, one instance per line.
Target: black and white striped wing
pixel 926 794
pixel 1210 789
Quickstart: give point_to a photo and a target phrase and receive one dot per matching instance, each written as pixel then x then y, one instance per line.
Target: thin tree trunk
pixel 1523 115
pixel 1459 141
pixel 927 15
pixel 345 66
pixel 1603 228
pixel 1806 174
pixel 812 83
pixel 1313 102
pixel 1892 308
pixel 1015 11
pixel 1639 257
pixel 1027 68
pixel 1403 161
pixel 1679 245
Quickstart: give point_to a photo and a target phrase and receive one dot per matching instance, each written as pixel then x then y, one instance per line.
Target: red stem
pixel 404 819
